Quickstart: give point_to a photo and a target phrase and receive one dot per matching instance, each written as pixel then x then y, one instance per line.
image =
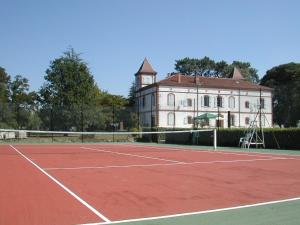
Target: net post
pixel 215 139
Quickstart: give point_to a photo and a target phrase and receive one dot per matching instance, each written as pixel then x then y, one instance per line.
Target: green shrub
pixel 287 138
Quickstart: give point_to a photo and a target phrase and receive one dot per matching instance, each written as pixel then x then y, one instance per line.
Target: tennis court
pixel 146 184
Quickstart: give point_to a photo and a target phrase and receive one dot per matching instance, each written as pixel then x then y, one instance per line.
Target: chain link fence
pixel 68 118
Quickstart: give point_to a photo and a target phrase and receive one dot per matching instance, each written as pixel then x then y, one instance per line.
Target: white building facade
pixel 176 101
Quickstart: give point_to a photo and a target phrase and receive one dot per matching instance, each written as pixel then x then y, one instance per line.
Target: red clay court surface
pixel 80 184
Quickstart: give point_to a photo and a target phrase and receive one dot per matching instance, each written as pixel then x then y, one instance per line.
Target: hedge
pixel 287 138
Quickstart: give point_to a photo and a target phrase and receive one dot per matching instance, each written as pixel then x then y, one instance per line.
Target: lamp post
pixel 113 118
pixel 197 98
pixel 218 117
pixel 51 122
pixel 174 114
pixel 138 110
pixel 151 125
pixel 81 113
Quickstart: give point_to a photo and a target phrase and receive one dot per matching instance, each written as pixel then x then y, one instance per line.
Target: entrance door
pixel 219 123
pixel 153 121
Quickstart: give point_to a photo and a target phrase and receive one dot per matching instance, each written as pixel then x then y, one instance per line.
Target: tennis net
pixel 192 137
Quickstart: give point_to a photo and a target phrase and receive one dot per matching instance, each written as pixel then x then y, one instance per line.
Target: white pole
pixel 215 139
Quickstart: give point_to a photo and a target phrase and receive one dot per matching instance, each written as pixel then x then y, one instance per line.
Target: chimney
pixel 197 79
pixel 179 78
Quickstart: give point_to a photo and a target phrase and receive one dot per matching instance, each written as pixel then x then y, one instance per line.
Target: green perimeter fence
pixel 90 118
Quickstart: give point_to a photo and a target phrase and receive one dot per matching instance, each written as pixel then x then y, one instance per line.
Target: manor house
pixel 180 100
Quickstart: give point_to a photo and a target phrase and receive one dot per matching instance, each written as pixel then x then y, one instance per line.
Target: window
pixel 171 100
pixel 247 104
pixel 190 120
pixel 219 101
pixel 231 102
pixel 232 119
pixel 247 120
pixel 185 120
pixel 143 101
pixel 263 121
pixel 153 99
pixel 171 119
pixel 206 100
pixel 262 103
pixel 189 102
pixel 144 120
pixel 153 121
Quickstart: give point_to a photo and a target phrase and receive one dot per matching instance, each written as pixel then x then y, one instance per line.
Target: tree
pixel 221 69
pixel 192 66
pixel 69 89
pixel 209 68
pixel 285 79
pixel 4 86
pixel 114 110
pixel 106 99
pixel 22 101
pixel 17 105
pixel 247 71
pixel 6 113
pixel 131 95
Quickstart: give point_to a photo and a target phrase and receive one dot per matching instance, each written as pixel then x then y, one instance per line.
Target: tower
pixel 145 75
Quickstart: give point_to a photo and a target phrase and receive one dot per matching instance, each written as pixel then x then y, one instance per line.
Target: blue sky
pixel 114 36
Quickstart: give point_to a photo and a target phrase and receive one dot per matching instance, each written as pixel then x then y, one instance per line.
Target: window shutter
pixel 202 101
pixel 228 103
pixel 215 101
pixel 210 101
pixel 222 102
pixel 185 120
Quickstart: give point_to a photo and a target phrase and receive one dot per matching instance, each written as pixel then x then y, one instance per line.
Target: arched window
pixel 190 120
pixel 144 101
pixel 189 102
pixel 247 105
pixel 263 121
pixel 171 119
pixel 219 101
pixel 247 120
pixel 262 103
pixel 232 120
pixel 231 102
pixel 206 100
pixel 171 99
pixel 153 99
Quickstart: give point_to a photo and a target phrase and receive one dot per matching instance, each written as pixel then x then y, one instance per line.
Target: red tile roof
pixel 237 75
pixel 181 80
pixel 146 68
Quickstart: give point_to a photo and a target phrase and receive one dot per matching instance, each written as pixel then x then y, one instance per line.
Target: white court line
pixel 100 215
pixel 225 152
pixel 195 151
pixel 204 151
pixel 165 164
pixel 133 155
pixel 199 212
pixel 108 167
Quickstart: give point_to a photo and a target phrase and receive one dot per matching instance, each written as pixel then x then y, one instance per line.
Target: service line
pixel 225 152
pixel 132 155
pixel 163 164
